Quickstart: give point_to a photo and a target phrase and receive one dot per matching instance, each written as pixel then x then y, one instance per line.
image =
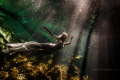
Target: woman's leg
pixel 17 50
pixel 15 45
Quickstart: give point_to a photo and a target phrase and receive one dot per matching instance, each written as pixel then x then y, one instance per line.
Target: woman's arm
pixel 50 32
pixel 69 42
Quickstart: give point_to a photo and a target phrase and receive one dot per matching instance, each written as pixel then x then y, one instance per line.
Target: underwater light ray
pixel 76 26
pixel 77 15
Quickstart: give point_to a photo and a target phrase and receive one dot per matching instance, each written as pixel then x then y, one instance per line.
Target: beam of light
pixel 78 19
pixel 77 23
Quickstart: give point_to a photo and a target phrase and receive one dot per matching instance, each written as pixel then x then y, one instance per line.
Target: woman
pixel 45 48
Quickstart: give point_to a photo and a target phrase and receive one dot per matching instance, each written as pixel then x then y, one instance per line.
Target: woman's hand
pixel 69 42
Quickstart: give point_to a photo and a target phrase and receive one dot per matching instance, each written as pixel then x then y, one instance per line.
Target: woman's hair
pixel 63 36
pixel 64 33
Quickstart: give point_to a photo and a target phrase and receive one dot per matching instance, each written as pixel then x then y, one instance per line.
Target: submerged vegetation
pixel 23 68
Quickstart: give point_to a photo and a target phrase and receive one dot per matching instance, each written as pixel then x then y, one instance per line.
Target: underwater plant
pixel 23 68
